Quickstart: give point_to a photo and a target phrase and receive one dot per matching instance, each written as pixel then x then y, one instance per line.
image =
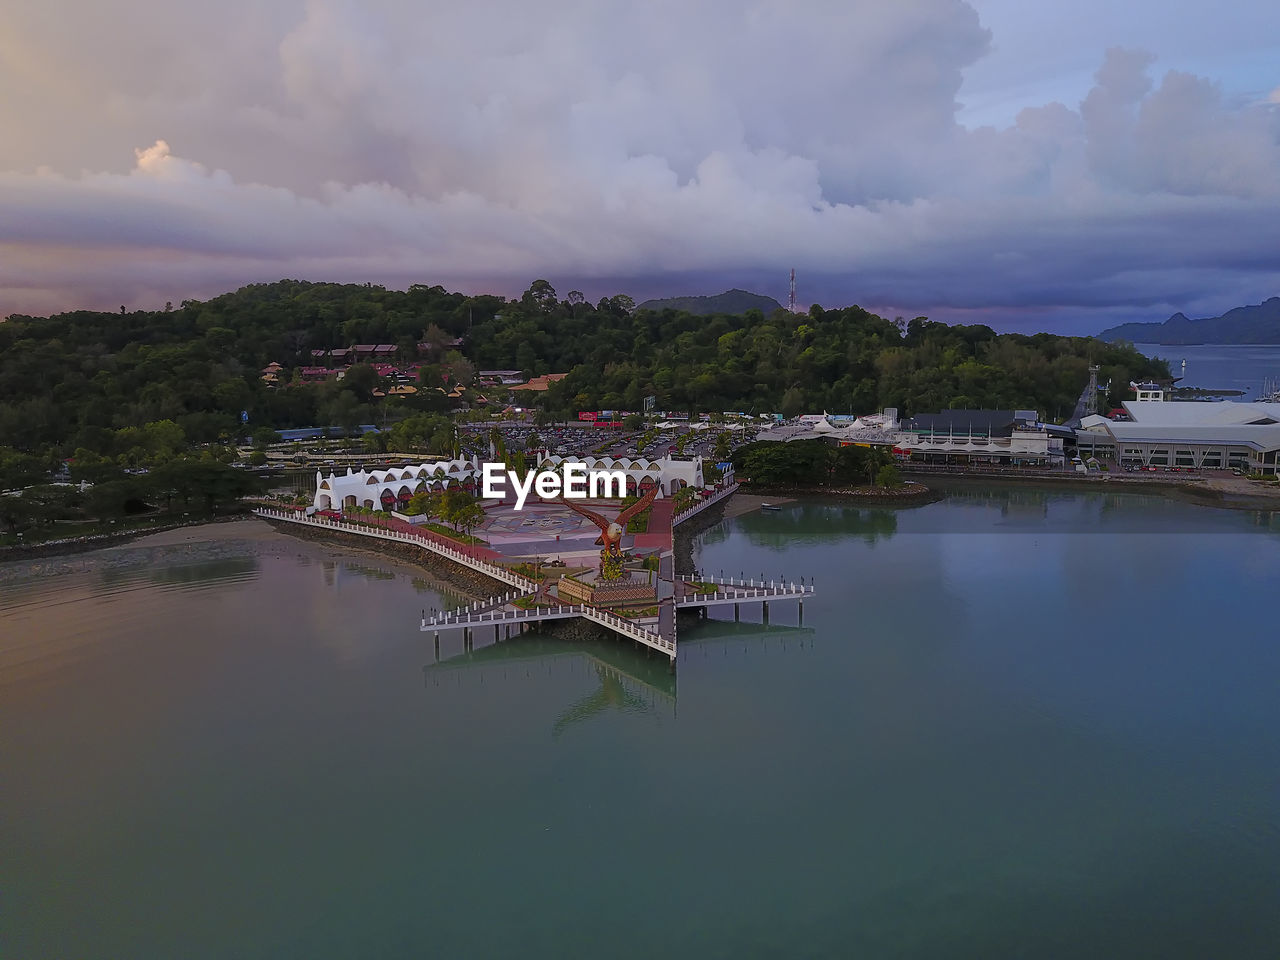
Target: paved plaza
pixel 545 529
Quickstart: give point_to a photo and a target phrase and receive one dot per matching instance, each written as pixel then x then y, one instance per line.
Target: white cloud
pixel 628 143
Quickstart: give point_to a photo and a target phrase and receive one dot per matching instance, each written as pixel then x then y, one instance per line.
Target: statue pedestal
pixel 634 587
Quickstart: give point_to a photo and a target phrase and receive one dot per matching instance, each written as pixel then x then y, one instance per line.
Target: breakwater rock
pixel 471 582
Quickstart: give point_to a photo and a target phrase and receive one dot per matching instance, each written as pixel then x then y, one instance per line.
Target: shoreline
pixel 1234 493
pixel 210 539
pixel 1224 493
pixel 918 495
pixel 104 541
pixel 464 580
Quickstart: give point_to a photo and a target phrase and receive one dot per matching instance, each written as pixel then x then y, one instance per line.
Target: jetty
pixel 651 623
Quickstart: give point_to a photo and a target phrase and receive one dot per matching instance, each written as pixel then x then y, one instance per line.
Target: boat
pixel 770 506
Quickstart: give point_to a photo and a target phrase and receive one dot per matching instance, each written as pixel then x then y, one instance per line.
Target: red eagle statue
pixel 611 532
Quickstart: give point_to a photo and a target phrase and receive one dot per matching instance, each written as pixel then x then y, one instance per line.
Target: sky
pixel 1048 165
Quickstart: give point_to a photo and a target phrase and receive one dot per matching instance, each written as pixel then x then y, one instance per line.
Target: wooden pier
pixel 502 613
pixel 528 603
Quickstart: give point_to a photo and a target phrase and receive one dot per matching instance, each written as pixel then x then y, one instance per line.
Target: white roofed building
pixel 997 437
pixel 1189 434
pixel 872 428
pixel 392 488
pixel 385 489
pixel 642 472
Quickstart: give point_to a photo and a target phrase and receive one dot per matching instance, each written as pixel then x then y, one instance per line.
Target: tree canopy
pixel 141 386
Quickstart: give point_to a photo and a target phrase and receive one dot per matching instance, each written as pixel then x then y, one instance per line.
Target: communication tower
pixel 1091 395
pixel 791 298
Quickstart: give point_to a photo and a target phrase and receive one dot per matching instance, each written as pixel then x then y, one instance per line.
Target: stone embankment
pixel 471 582
pixel 684 534
pixel 1213 490
pixel 910 493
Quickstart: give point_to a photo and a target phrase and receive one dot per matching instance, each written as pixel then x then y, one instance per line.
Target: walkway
pixel 658 535
pixel 739 591
pixel 474 557
pixel 503 614
pixel 403 526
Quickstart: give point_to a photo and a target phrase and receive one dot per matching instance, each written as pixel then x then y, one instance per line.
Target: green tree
pixel 889 476
pixel 360 381
pixel 468 517
pixel 793 402
pixel 18 470
pixel 723 444
pixel 264 436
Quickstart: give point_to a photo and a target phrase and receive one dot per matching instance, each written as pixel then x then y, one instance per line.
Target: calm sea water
pixel 1014 724
pixel 1221 366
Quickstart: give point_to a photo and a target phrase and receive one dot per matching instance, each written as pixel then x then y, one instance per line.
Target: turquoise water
pixel 1221 366
pixel 1014 724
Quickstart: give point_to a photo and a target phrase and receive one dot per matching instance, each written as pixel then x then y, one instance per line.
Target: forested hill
pixel 1259 323
pixel 731 301
pixel 93 380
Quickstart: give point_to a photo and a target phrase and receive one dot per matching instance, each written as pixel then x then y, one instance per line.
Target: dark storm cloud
pixel 652 147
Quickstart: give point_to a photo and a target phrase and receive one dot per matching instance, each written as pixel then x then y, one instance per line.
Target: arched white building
pixel 382 489
pixel 641 472
pixel 385 489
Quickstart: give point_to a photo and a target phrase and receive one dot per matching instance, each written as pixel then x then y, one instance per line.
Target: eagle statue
pixel 611 531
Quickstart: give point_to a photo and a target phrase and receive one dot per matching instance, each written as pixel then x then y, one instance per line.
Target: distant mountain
pixel 731 301
pixel 1253 324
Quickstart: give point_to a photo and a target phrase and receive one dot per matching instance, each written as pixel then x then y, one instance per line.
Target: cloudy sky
pixel 1057 165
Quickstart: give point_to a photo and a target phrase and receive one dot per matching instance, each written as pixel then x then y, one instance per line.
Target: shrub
pixel 889 476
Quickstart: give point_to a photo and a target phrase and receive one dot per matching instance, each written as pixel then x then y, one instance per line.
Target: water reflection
pixel 206 573
pixel 623 679
pixel 978 507
pixel 712 638
pixel 818 523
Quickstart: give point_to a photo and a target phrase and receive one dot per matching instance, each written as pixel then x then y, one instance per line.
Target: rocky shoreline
pixel 99 541
pixel 1209 492
pixel 470 582
pixel 911 493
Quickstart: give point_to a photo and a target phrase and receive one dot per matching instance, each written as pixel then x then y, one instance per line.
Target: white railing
pixel 560 611
pixel 493 607
pixel 464 617
pixel 702 505
pixel 771 587
pixel 494 570
pixel 627 628
pixel 499 616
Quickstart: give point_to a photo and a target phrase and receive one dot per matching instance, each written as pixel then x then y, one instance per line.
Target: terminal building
pixel 995 437
pixel 1188 434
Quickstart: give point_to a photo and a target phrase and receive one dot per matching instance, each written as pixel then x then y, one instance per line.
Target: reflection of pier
pixel 622 679
pixel 626 681
pixel 721 637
